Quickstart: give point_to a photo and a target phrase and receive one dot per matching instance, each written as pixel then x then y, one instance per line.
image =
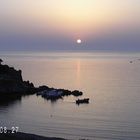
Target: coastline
pixel 26 136
pixel 90 111
pixel 13 87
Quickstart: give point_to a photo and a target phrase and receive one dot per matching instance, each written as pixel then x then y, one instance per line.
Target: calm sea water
pixel 109 79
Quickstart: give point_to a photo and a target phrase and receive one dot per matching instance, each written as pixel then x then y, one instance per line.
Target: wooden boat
pixel 82 101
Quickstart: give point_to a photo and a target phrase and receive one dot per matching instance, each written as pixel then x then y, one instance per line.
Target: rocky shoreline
pixel 12 86
pixel 25 136
pixel 11 81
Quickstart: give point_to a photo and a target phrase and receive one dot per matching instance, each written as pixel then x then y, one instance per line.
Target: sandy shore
pixel 25 136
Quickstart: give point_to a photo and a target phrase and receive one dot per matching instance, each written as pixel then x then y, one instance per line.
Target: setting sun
pixel 79 41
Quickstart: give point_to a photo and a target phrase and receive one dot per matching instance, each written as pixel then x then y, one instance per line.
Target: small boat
pixel 82 101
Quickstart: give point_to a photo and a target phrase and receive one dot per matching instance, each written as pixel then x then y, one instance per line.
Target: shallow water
pixel 110 81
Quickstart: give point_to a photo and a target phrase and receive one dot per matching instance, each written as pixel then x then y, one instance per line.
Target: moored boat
pixel 82 101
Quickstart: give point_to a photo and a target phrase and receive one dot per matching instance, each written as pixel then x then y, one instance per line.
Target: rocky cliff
pixel 11 81
pixel 12 86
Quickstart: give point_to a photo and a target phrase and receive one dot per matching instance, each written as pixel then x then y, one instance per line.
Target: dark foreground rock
pixel 11 81
pixel 25 136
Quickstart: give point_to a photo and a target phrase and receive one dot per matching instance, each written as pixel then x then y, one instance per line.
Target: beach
pixel 25 136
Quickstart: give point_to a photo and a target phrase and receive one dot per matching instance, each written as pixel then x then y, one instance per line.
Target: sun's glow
pixel 78 72
pixel 79 41
pixel 71 17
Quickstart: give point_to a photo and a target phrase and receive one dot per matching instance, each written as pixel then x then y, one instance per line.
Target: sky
pixel 39 25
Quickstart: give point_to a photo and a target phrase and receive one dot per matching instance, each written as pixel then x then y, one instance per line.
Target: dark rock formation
pixel 54 94
pixel 24 136
pixel 11 81
pixel 12 86
pixel 77 93
pixel 1 61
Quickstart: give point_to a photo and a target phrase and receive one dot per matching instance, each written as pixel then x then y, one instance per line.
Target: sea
pixel 110 79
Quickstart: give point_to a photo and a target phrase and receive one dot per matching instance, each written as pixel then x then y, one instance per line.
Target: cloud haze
pixel 55 25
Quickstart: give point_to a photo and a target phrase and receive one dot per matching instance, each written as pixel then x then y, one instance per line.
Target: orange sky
pixel 73 18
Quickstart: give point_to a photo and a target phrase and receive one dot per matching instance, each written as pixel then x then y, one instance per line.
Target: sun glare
pixel 79 41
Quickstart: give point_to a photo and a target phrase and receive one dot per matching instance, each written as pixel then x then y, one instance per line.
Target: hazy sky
pixel 57 24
